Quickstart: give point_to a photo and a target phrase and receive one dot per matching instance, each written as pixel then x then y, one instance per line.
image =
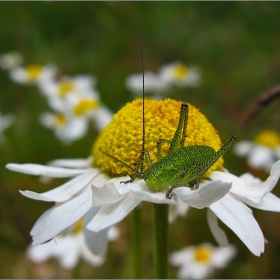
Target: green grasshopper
pixel 181 165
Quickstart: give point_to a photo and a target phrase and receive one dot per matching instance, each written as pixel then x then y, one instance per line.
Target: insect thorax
pixel 186 162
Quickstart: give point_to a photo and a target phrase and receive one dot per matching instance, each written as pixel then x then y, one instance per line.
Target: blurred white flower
pixel 80 84
pixel 169 75
pixel 181 75
pixel 75 113
pixel 199 262
pixel 5 122
pixel 32 73
pixel 76 101
pixel 66 128
pixel 153 83
pixel 72 244
pixel 10 60
pixel 262 152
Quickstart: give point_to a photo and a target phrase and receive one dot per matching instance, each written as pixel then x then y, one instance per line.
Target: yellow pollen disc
pixel 268 138
pixel 60 120
pixel 202 254
pixel 122 138
pixel 180 71
pixel 33 71
pixel 85 105
pixel 65 87
pixel 78 227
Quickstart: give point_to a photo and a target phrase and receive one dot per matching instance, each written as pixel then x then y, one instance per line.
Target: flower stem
pixel 160 221
pixel 137 252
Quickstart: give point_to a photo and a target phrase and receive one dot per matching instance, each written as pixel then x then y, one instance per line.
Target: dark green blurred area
pixel 235 44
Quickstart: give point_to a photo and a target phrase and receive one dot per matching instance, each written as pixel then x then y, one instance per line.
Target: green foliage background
pixel 237 47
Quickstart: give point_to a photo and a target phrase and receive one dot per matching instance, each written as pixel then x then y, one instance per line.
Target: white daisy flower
pixel 75 112
pixel 153 83
pixel 10 60
pixel 73 200
pixel 81 84
pixel 66 128
pixel 5 122
pixel 262 152
pixel 179 74
pixel 199 262
pixel 72 245
pixel 32 73
pixel 225 194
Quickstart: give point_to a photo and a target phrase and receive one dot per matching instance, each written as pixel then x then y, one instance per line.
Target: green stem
pixel 137 252
pixel 160 221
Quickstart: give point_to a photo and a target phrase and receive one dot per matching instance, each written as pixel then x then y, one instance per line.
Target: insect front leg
pixel 144 154
pixel 169 194
pixel 195 183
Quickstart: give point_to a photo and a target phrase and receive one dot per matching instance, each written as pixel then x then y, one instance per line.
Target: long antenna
pixel 143 97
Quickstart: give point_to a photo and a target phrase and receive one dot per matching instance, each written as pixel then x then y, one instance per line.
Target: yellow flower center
pixel 60 120
pixel 85 105
pixel 33 71
pixel 180 71
pixel 65 87
pixel 202 254
pixel 78 227
pixel 268 138
pixel 122 138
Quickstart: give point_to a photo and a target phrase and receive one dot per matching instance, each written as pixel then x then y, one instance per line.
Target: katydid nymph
pixel 182 164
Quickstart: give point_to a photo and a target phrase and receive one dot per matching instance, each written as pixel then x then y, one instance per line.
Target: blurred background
pixel 237 49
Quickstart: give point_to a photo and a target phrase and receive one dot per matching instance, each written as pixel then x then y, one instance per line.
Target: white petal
pixel 239 218
pixel 65 191
pixel 270 202
pixel 61 216
pixel 217 232
pixel 243 148
pixel 89 257
pixel 41 253
pixel 261 156
pixel 97 242
pixel 72 163
pixel 43 170
pixel 205 195
pixel 100 180
pixel 68 251
pixel 75 129
pixel 113 233
pixel 108 194
pixel 180 209
pixel 141 191
pixel 221 256
pixel 121 187
pixel 111 214
pixel 253 192
pixel 102 116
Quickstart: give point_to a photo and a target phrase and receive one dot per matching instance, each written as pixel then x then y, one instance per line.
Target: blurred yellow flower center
pixel 268 138
pixel 85 105
pixel 202 254
pixel 65 87
pixel 33 71
pixel 78 227
pixel 122 138
pixel 60 120
pixel 180 71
